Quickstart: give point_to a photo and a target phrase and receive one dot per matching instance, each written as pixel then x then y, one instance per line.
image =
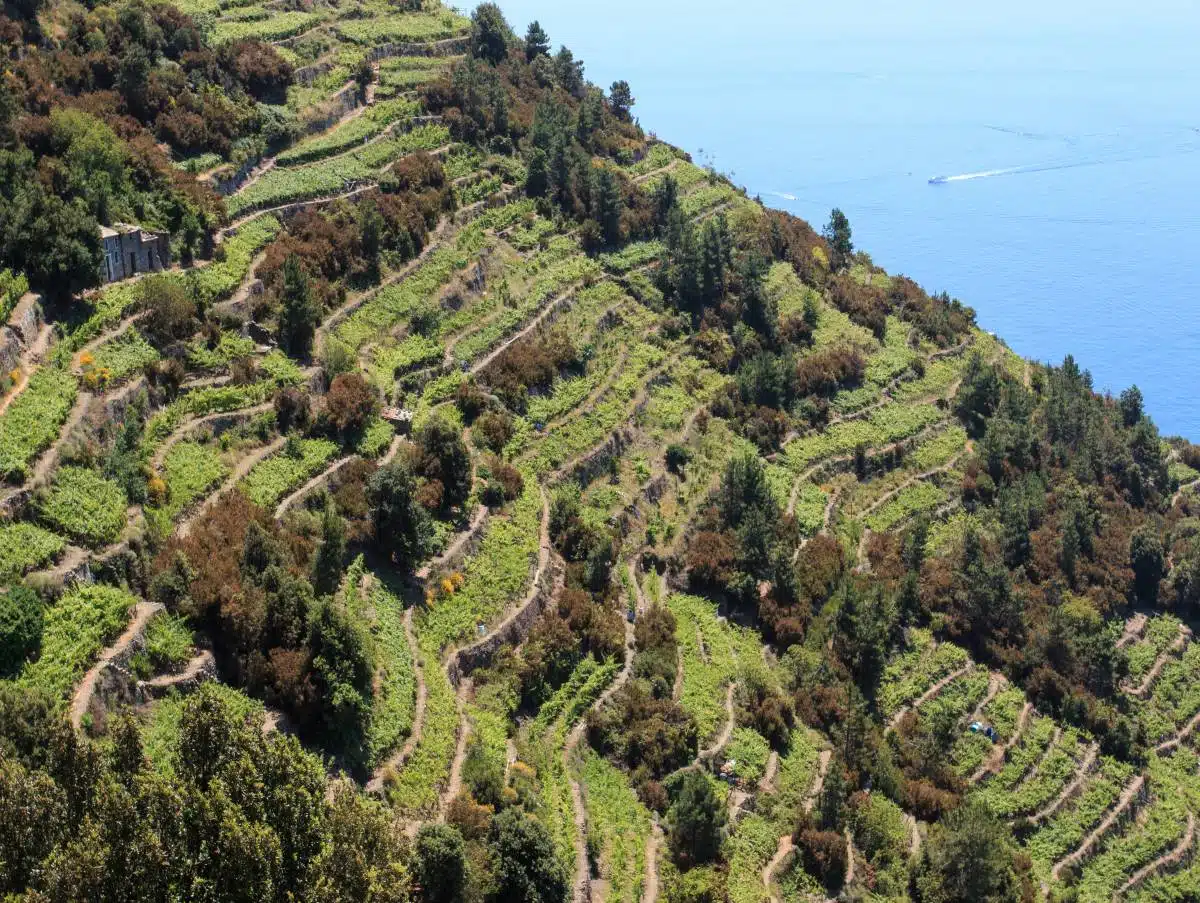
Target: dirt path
pixel 914 836
pixel 29 364
pixel 1184 732
pixel 531 597
pixel 910 482
pixel 203 662
pixel 49 458
pixel 767 783
pixel 996 760
pixel 996 683
pixel 783 853
pixel 581 888
pixel 276 721
pixel 1183 490
pixel 205 382
pixel 826 522
pixel 638 401
pixel 550 308
pixel 653 844
pixel 594 396
pixel 242 295
pixel 243 467
pixel 73 558
pixel 930 694
pixel 814 792
pixel 662 170
pixel 352 304
pixel 295 205
pixel 1081 775
pixel 1165 862
pixel 1128 795
pixel 455 548
pixel 887 394
pixel 1034 769
pixel 863 562
pixel 263 167
pixel 104 338
pixel 23 377
pixel 393 450
pixel 640 602
pixel 312 484
pixel 82 697
pixel 1165 656
pixel 183 430
pixel 1134 628
pixel 455 784
pixel 726 732
pixel 396 762
pixel 850 860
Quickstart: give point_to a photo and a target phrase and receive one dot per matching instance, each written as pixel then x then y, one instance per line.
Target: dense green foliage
pixel 628 524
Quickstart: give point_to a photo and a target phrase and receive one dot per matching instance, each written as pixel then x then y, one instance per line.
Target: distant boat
pixel 939 180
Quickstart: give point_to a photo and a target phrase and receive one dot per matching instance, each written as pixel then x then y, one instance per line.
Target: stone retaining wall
pixel 467 661
pixel 21 331
pixel 448 47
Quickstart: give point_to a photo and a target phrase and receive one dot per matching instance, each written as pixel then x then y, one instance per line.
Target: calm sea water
pixel 1075 129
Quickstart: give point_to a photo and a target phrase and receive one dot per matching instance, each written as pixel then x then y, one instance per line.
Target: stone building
pixel 129 250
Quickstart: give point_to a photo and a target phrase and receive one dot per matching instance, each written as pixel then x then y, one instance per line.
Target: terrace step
pixel 996 760
pixel 1073 787
pixel 376 784
pixel 1163 863
pixel 82 697
pixel 1128 796
pixel 931 694
pixel 1177 646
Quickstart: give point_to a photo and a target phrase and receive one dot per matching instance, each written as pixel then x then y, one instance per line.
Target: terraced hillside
pixel 493 503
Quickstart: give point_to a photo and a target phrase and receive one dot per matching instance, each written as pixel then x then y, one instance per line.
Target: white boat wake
pixel 1181 150
pixel 968 176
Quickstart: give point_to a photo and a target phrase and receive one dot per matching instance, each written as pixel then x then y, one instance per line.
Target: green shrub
pixel 12 287
pixel 32 421
pixel 128 353
pixel 77 627
pixel 84 505
pixel 168 642
pixel 25 546
pixel 275 477
pixel 21 620
pixel 189 469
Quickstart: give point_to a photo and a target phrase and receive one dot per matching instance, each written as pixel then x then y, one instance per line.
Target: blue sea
pixel 1068 134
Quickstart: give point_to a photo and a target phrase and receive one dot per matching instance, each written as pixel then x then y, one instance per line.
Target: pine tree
pixel 687 272
pixel 298 313
pixel 712 266
pixel 697 819
pixel 537 176
pixel 759 310
pixel 560 172
pixel 621 98
pixel 537 42
pixel 666 199
pixel 837 233
pixel 327 568
pixel 372 229
pixel 608 206
pixel 489 33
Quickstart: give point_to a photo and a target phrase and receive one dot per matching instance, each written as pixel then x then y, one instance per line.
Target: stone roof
pixel 125 229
